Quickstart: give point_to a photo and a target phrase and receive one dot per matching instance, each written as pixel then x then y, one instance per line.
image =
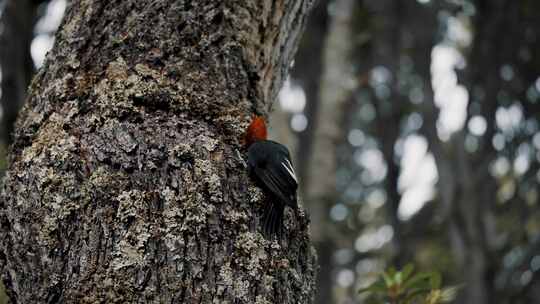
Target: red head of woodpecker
pixel 270 163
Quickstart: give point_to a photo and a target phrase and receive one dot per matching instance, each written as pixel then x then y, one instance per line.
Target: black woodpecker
pixel 270 163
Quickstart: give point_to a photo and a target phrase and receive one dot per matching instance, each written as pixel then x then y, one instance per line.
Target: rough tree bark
pixel 126 180
pixel 17 19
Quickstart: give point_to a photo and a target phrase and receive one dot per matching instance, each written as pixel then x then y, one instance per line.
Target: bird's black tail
pixel 273 220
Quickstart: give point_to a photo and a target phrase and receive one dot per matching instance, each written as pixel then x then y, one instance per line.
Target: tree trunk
pixel 468 190
pixel 327 133
pixel 126 180
pixel 307 72
pixel 17 19
pixel 17 23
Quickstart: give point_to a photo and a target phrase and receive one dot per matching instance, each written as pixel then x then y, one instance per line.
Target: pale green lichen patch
pixel 72 61
pixel 179 154
pixel 130 251
pixel 235 216
pixel 251 247
pixel 145 71
pixel 241 289
pixel 101 176
pixel 214 187
pixel 226 274
pixel 131 204
pixel 70 28
pixel 205 171
pixel 50 132
pixel 262 300
pixel 208 143
pixel 255 194
pixel 248 242
pixel 117 70
pixel 127 255
pixel 256 263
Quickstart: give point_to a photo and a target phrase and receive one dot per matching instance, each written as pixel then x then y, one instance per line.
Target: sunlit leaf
pixel 388 280
pixel 398 278
pixel 449 294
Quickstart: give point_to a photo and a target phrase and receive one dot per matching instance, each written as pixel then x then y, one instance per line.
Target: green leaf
pixel 407 271
pixel 406 287
pixel 376 287
pixel 388 280
pixel 398 278
pixel 449 294
pixel 391 271
pixel 435 280
pixel 416 292
pixel 419 280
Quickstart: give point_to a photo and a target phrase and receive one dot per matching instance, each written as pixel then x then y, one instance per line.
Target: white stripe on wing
pixel 288 166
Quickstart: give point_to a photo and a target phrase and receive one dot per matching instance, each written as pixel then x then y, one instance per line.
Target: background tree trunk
pixel 468 188
pixel 17 22
pixel 307 72
pixel 126 180
pixel 327 132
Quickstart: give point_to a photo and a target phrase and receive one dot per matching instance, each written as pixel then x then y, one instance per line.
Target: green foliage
pixel 407 287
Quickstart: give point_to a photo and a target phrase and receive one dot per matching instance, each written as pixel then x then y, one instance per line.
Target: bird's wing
pixel 281 180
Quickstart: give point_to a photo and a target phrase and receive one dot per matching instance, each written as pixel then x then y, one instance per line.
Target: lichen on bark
pixel 126 180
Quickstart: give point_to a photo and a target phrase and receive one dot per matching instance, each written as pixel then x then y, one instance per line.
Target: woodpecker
pixel 270 163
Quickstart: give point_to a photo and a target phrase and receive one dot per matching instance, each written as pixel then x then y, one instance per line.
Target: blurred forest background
pixel 415 130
